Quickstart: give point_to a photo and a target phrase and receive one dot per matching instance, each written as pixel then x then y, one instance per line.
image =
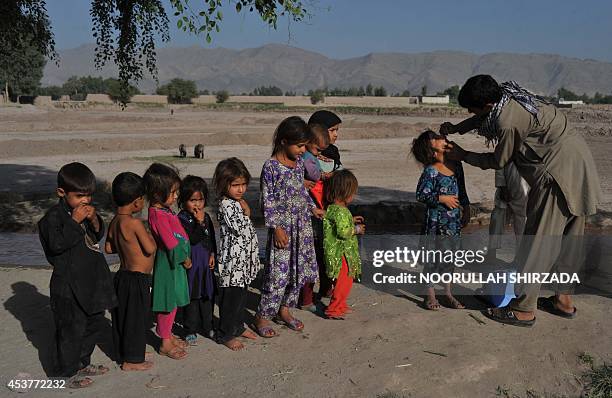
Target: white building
pixel 439 99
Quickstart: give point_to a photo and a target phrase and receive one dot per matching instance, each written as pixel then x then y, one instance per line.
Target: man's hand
pixel 245 207
pixel 80 213
pixel 318 213
pixel 450 201
pixel 309 184
pixel 281 241
pixel 447 128
pixel 454 152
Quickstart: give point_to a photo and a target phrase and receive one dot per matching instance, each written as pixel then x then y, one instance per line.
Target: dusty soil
pixel 388 347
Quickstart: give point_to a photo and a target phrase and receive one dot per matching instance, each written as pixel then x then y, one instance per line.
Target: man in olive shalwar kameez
pixel 560 170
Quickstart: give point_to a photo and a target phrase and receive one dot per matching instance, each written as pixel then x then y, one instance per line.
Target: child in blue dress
pixel 442 189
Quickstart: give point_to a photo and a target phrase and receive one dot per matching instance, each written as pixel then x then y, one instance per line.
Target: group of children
pixel 311 236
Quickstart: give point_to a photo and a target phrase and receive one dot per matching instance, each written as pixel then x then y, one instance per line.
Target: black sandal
pixel 506 315
pixel 547 304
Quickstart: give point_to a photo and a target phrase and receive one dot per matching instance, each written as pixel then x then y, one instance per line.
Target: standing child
pixel 136 247
pixel 170 289
pixel 238 261
pixel 198 314
pixel 442 189
pixel 330 157
pixel 81 286
pixel 313 174
pixel 287 209
pixel 340 228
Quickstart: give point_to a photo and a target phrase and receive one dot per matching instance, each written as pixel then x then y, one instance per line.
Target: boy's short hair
pixel 342 185
pixel 76 177
pixel 189 186
pixel 319 134
pixel 227 171
pixel 159 179
pixel 127 187
pixel 479 91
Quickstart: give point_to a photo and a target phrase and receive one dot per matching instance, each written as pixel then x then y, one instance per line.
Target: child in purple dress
pixel 287 209
pixel 198 314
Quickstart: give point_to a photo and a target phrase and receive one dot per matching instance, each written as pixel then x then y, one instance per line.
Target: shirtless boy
pixel 128 237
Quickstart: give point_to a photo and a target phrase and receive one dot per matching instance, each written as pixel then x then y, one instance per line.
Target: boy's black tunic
pixel 81 286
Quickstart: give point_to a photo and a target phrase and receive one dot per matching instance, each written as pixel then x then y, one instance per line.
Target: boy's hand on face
pixel 93 217
pixel 450 201
pixel 80 213
pixel 281 241
pixel 454 151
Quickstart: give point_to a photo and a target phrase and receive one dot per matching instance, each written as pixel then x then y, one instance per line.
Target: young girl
pixel 442 189
pixel 170 289
pixel 198 314
pixel 238 260
pixel 340 228
pixel 287 209
pixel 330 157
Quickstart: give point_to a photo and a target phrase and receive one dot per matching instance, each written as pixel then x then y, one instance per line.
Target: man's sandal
pixel 548 304
pixel 506 315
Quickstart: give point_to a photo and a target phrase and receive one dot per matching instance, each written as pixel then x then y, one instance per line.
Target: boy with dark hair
pixel 81 287
pixel 128 237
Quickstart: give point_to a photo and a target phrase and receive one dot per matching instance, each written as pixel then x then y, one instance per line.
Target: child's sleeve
pixel 233 216
pixel 162 230
pixel 268 201
pixel 426 188
pixel 343 224
pixel 58 236
pixel 310 202
pixel 463 197
pixel 312 171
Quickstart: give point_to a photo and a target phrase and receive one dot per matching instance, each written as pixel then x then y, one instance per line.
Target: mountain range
pixel 295 69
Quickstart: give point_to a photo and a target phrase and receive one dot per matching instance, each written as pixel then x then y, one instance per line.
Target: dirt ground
pixel 389 347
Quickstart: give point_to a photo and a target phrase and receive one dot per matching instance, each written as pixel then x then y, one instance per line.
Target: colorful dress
pixel 442 226
pixel 170 287
pixel 238 260
pixel 286 204
pixel 339 240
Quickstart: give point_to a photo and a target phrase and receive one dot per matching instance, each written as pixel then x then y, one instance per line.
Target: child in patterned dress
pixel 238 253
pixel 442 189
pixel 287 209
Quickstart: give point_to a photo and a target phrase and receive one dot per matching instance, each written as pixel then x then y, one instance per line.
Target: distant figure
pixel 198 151
pixel 182 151
pixel 171 112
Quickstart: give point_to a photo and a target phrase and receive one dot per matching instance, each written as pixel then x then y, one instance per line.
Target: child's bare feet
pixel 128 366
pixel 431 302
pixel 234 344
pixel 454 303
pixel 247 334
pixel 179 342
pixel 170 350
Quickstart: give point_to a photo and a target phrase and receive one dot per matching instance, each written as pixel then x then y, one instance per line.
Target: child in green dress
pixel 340 230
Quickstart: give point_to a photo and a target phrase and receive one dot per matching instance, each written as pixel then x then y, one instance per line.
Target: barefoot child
pixel 238 260
pixel 81 286
pixel 313 174
pixel 340 228
pixel 170 289
pixel 128 237
pixel 198 314
pixel 287 209
pixel 442 189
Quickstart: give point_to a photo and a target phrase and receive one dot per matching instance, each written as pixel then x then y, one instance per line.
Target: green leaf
pixel 208 38
pixel 179 23
pixel 219 15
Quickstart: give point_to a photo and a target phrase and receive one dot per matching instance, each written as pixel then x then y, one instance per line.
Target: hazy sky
pixel 351 28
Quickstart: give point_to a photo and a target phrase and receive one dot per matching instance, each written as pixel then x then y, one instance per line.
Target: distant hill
pixel 299 70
